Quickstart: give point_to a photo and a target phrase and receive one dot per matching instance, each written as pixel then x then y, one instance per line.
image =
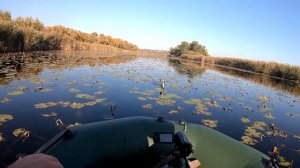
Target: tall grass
pixel 29 34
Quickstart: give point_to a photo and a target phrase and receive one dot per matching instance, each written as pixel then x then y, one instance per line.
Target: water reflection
pixel 193 69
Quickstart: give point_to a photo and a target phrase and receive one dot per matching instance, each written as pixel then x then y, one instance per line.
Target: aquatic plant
pixel 4 118
pixel 147 106
pixel 76 105
pixel 15 93
pixel 245 119
pixel 84 96
pixel 210 123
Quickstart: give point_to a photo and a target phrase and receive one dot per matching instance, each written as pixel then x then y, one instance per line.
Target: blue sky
pixel 253 29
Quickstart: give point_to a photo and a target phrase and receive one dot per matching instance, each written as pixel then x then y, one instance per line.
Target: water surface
pixel 83 88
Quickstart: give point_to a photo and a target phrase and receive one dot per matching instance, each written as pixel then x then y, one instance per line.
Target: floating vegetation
pixel 22 132
pixel 51 114
pixel 265 109
pixel 147 106
pixel 167 99
pixel 264 99
pixel 283 162
pixel 211 102
pixel 84 96
pixel 202 112
pixel 245 119
pixel 4 118
pixel 210 123
pixel 1 138
pixel 45 105
pixel 100 100
pixel 248 140
pixel 292 115
pixel 247 107
pixel 253 134
pixel 193 101
pixel 144 93
pixel 269 116
pixel 5 100
pixel 64 103
pixel 142 98
pixel 226 99
pixel 100 92
pixel 46 90
pixel 200 107
pixel 75 105
pixel 73 90
pixel 15 93
pixel 22 88
pixel 91 103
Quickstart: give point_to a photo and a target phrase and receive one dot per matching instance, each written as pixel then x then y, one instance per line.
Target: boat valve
pixel 184 123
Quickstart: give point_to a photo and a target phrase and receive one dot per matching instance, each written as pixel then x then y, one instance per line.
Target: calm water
pixel 80 89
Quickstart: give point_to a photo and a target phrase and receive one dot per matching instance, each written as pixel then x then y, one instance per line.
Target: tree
pixel 186 47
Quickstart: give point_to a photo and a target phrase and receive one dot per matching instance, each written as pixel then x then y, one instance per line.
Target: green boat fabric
pixel 129 142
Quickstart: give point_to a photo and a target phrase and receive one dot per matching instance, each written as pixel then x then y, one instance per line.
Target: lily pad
pixel 100 100
pixel 4 118
pixel 211 102
pixel 202 112
pixel 147 106
pixel 75 105
pixel 45 105
pixel 264 99
pixel 21 132
pixel 41 105
pixel 245 120
pixel 142 98
pixel 91 103
pixel 73 90
pixel 64 103
pixel 15 93
pixel 269 116
pixel 247 107
pixel 5 100
pixel 292 115
pixel 248 140
pixel 84 96
pixel 210 123
pixel 22 88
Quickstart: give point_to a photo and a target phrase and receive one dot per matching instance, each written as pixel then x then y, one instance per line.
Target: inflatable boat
pixel 149 142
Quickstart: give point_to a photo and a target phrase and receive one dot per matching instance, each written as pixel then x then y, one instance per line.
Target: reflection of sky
pixel 119 79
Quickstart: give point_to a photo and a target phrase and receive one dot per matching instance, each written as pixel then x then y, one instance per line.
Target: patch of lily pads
pixel 4 118
pixel 74 105
pixel 210 123
pixel 15 93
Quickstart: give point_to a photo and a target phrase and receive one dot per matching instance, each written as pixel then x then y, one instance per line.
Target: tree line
pixel 30 34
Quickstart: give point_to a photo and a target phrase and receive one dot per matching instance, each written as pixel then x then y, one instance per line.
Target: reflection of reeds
pixel 34 62
pixel 182 67
pixel 284 71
